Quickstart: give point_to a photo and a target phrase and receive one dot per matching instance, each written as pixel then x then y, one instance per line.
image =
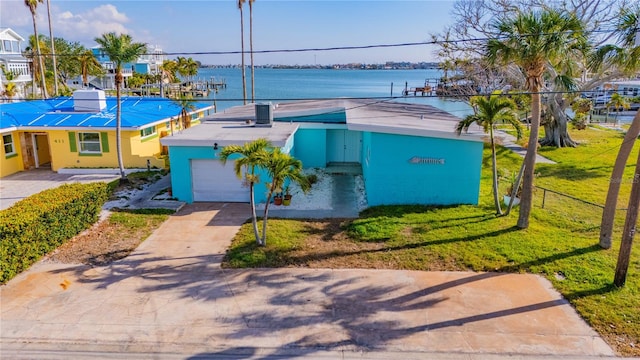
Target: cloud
pixel 85 26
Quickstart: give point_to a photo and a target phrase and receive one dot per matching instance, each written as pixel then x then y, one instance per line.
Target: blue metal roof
pixel 58 113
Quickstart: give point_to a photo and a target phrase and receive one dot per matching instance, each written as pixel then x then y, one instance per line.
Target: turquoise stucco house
pixel 409 153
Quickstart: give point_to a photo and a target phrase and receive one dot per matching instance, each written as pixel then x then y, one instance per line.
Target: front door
pixel 343 146
pixel 41 151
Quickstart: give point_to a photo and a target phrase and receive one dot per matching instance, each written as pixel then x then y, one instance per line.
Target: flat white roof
pixel 236 125
pixel 229 132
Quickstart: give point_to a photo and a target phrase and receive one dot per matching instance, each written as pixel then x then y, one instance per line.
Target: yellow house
pixel 80 132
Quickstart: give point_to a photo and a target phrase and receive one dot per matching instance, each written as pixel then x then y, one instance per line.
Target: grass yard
pixel 560 244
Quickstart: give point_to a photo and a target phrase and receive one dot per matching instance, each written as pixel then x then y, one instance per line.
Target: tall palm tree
pixel 252 156
pixel 489 111
pixel 281 167
pixel 33 6
pixel 53 51
pixel 120 49
pixel 531 41
pixel 253 79
pixel 244 78
pixel 88 65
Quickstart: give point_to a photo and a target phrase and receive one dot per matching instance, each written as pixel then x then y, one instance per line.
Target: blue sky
pixel 201 26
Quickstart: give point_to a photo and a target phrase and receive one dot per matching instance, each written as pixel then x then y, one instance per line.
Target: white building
pixel 12 60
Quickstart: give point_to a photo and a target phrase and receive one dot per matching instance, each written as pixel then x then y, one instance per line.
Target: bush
pixel 40 223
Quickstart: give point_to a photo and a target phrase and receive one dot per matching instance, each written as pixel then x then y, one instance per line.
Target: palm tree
pixel 252 156
pixel 489 111
pixel 281 168
pixel 53 51
pixel 186 104
pixel 532 41
pixel 626 32
pixel 88 65
pixel 33 6
pixel 30 52
pixel 253 79
pixel 244 78
pixel 618 102
pixel 168 71
pixel 120 49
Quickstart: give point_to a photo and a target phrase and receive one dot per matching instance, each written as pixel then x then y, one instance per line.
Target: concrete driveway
pixel 18 186
pixel 171 299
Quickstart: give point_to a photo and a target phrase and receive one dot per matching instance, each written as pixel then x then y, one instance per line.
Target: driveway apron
pixel 171 296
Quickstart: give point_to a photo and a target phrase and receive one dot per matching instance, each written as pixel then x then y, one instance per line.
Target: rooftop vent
pixel 89 100
pixel 264 115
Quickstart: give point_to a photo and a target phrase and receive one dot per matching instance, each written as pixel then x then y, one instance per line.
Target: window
pixel 7 142
pixel 89 142
pixel 148 131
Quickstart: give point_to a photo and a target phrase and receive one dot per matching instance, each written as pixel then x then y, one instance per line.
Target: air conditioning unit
pixel 264 115
pixel 89 100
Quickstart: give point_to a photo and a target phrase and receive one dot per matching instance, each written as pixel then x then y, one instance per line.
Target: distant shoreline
pixel 386 66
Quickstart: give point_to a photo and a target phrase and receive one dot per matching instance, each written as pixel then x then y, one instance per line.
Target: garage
pixel 213 181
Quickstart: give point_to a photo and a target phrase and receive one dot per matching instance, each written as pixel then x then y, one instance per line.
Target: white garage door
pixel 216 183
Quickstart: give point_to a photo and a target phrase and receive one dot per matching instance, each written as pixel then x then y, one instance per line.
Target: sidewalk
pixel 509 142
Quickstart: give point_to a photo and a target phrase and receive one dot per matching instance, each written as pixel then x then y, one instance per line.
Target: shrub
pixel 40 223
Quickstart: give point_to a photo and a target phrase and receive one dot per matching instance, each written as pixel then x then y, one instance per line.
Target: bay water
pixel 283 85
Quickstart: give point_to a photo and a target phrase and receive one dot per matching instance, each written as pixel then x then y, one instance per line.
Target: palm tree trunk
pixel 254 216
pixel 526 201
pixel 253 83
pixel 263 241
pixel 494 163
pixel 514 191
pixel 53 51
pixel 244 77
pixel 39 55
pixel 629 231
pixel 609 211
pixel 119 126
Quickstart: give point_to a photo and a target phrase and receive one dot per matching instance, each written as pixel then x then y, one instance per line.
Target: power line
pixel 338 48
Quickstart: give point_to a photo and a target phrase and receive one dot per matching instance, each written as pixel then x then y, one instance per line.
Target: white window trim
pixel 12 143
pixel 154 131
pixel 80 142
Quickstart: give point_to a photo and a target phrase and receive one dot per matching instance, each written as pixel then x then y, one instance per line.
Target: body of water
pixel 281 85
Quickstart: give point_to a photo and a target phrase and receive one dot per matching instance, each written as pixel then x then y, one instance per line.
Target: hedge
pixel 40 223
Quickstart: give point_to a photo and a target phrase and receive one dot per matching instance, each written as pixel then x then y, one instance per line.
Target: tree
pixel 244 78
pixel 186 104
pixel 489 111
pixel 33 6
pixel 253 79
pixel 626 31
pixel 10 90
pixel 252 156
pixel 53 51
pixel 120 49
pixel 281 168
pixel 186 67
pixel 88 65
pixel 617 102
pixel 629 230
pixel 532 41
pixel 471 24
pixel 168 70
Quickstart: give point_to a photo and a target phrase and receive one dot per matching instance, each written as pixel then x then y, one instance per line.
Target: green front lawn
pixel 560 244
